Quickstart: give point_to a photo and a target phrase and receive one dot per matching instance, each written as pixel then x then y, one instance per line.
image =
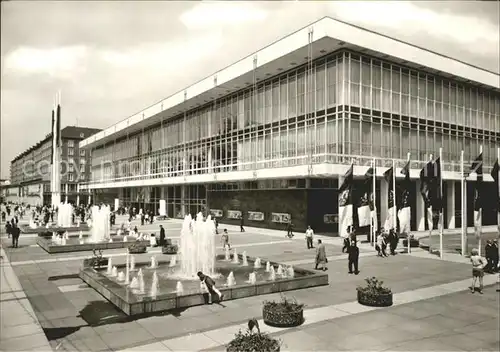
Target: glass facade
pixel 346 104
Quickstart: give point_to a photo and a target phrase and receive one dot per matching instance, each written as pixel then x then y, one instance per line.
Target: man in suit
pixel 321 258
pixel 353 258
pixel 162 236
pixel 16 231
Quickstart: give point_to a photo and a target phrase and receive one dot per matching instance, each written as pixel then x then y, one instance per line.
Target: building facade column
pixel 183 201
pixel 450 204
pixel 384 190
pixel 420 213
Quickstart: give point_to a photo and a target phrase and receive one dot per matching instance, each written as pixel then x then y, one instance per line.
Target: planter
pixel 137 249
pixel 95 263
pixel 374 300
pixel 282 315
pixel 253 341
pixel 170 249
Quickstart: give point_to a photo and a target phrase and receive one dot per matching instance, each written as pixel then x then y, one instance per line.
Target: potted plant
pixel 286 313
pixel 137 248
pixel 96 261
pixel 253 341
pixel 170 249
pixel 374 294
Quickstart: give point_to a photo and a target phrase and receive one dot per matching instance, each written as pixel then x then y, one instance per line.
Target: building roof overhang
pixel 329 35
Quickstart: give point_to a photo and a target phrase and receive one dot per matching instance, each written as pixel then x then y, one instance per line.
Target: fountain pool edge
pixel 131 306
pixel 46 245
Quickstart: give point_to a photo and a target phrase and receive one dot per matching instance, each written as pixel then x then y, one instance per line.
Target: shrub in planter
pixel 374 294
pixel 250 341
pixel 286 313
pixel 170 249
pixel 137 248
pixel 96 261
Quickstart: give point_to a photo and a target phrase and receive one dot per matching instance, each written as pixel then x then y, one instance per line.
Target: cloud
pixel 62 62
pixel 405 18
pixel 224 13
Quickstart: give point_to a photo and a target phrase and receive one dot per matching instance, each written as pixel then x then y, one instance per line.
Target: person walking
pixel 353 258
pixel 477 270
pixel 289 229
pixel 210 285
pixel 216 223
pixel 393 241
pixel 309 237
pixel 495 254
pixel 225 240
pixel 488 253
pixel 242 222
pixel 162 236
pixel 16 231
pixel 321 258
pixel 8 228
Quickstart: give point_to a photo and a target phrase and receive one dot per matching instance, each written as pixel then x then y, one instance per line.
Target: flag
pixel 426 176
pixel 477 168
pixel 404 213
pixel 345 203
pixel 494 174
pixel 391 207
pixel 364 208
pixel 52 144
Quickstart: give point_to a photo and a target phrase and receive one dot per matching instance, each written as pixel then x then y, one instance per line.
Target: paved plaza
pixel 433 309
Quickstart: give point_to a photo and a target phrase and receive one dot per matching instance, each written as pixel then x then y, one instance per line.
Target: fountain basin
pixel 133 303
pixel 73 244
pixel 42 229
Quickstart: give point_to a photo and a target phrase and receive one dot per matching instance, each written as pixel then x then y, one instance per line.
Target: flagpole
pixel 463 195
pixel 441 215
pixel 480 227
pixel 394 207
pixel 408 157
pixel 431 221
pixel 374 184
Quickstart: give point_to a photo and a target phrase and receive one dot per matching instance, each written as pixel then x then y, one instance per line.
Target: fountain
pixel 100 230
pixel 268 267
pixel 173 261
pixel 127 272
pixel 231 281
pixel 110 267
pixel 179 288
pixel 245 259
pixel 64 215
pixel 291 272
pixel 154 263
pixel 121 276
pixel 227 255
pixel 132 263
pixel 197 247
pixel 80 235
pixel 236 259
pixel 154 286
pixel 252 278
pixel 134 285
pixel 63 241
pixel 125 239
pixel 114 272
pixel 257 264
pixel 279 272
pixel 272 274
pixel 110 240
pixel 140 276
pixel 32 224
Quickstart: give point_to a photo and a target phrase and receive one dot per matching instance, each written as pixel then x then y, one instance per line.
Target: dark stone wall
pixel 292 201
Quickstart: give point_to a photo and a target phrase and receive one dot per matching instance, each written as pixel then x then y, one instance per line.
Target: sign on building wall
pixel 255 216
pixel 282 218
pixel 216 213
pixel 233 214
pixel 330 218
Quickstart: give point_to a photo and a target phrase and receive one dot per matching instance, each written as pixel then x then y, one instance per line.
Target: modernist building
pixel 269 135
pixel 30 171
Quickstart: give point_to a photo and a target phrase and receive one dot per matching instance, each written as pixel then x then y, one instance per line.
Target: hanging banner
pixel 217 213
pixel 233 214
pixel 255 216
pixel 282 218
pixel 117 204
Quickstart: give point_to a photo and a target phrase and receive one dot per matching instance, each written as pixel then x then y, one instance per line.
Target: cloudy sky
pixel 111 59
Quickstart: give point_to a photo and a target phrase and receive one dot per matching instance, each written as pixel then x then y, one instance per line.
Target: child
pixel 225 240
pixel 381 246
pixel 477 270
pixel 210 285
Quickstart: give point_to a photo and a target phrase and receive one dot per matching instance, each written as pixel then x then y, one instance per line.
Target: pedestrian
pixel 495 255
pixel 16 231
pixel 393 241
pixel 216 223
pixel 242 229
pixel 309 237
pixel 321 258
pixel 289 229
pixel 210 285
pixel 488 253
pixel 347 240
pixel 477 270
pixel 8 228
pixel 225 239
pixel 353 258
pixel 162 236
